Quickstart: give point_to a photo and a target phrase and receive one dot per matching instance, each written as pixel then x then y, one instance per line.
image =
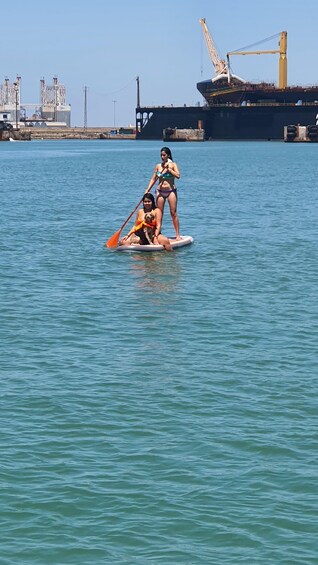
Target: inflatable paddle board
pixel 185 240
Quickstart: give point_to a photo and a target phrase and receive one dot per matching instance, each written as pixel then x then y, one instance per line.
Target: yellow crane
pixel 282 69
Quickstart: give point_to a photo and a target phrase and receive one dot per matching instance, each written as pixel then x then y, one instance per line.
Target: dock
pixel 298 133
pixel 183 134
pixel 103 133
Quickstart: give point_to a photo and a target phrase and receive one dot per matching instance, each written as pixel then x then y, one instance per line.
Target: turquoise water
pixel 158 408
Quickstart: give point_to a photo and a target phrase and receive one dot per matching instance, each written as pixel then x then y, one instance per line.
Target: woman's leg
pixel 172 199
pixel 163 240
pixel 129 240
pixel 160 203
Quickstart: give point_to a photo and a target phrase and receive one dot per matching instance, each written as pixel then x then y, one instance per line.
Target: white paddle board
pixel 185 240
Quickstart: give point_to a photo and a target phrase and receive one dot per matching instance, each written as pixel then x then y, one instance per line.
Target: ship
pixel 234 108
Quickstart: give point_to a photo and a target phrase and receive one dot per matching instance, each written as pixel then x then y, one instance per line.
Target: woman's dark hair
pixel 167 151
pixel 149 196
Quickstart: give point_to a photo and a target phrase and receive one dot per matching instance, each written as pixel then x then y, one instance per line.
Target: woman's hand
pixel 169 168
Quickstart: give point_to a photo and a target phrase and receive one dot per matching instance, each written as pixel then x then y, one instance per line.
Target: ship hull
pixel 225 122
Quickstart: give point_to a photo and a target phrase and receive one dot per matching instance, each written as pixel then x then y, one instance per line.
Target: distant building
pixel 51 109
pixel 5 117
pixel 10 101
pixel 53 103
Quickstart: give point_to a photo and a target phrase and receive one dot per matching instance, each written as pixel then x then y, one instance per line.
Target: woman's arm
pixel 173 169
pixel 152 181
pixel 138 220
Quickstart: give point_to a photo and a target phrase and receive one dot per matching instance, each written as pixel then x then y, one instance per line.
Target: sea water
pixel 158 408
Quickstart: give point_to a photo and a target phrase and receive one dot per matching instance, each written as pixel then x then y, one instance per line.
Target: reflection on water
pixel 157 275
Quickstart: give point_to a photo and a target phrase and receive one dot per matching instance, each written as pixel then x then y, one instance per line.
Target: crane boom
pixel 282 70
pixel 219 64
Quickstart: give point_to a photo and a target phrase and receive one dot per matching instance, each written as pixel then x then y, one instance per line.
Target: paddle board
pixel 185 240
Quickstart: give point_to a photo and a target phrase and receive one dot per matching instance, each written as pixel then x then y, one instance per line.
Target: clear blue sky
pixel 105 44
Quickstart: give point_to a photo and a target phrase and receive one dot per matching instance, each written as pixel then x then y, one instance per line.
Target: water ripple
pixel 158 409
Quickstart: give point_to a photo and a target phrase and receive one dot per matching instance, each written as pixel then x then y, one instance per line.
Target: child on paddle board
pixel 137 234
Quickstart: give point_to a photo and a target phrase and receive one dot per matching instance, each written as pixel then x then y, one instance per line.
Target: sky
pixel 105 44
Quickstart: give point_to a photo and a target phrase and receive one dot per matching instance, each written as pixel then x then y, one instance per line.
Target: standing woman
pixel 165 173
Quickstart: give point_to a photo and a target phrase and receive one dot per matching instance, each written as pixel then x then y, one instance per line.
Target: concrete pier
pixel 75 133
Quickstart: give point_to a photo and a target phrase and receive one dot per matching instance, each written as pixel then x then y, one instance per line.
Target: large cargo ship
pixel 234 108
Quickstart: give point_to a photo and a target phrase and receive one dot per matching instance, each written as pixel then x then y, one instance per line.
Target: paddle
pixel 113 240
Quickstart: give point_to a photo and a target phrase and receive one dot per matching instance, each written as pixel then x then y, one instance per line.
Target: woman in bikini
pixel 138 234
pixel 165 172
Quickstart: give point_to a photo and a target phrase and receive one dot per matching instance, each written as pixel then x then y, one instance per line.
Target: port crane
pixel 220 65
pixel 282 69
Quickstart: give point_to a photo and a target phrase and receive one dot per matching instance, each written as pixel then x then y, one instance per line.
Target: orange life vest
pixel 144 224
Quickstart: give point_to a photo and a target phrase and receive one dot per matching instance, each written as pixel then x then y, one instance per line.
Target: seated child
pixel 143 233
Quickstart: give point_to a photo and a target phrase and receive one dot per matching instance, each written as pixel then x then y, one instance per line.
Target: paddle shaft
pixel 113 240
pixel 130 215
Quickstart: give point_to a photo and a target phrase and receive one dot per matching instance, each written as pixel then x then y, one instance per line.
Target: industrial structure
pixel 10 104
pixel 52 109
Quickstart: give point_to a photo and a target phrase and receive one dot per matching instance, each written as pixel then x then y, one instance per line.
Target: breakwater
pixel 65 133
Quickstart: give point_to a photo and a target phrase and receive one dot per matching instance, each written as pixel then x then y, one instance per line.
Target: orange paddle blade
pixel 113 240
